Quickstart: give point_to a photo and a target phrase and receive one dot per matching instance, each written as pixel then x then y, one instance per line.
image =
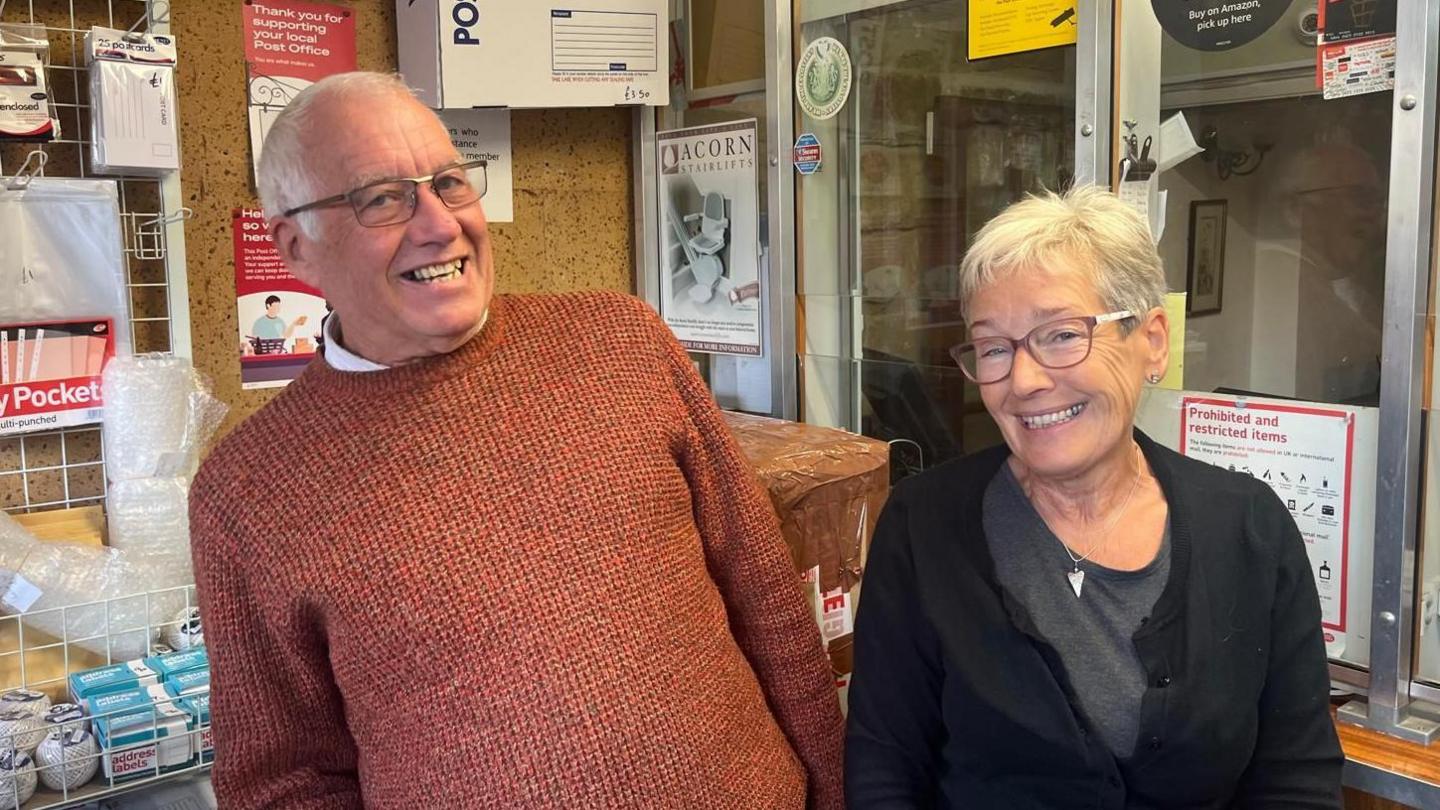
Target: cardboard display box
pixel 827 487
pixel 499 53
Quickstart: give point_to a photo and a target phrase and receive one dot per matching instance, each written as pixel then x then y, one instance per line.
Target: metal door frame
pixel 1409 247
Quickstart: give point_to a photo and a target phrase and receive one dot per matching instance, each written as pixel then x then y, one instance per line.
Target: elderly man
pixel 522 563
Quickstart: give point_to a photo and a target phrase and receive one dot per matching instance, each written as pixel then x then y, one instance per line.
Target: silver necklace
pixel 1076 576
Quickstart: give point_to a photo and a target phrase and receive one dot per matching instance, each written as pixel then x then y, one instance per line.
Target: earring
pixel 1153 378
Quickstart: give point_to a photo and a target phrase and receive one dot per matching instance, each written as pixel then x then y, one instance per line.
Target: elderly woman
pixel 1082 617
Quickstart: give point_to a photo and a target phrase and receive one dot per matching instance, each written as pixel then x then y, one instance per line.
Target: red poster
pixel 306 41
pixel 279 315
pixel 290 45
pixel 50 373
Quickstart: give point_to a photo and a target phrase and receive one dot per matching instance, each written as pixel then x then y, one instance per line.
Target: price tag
pixel 21 594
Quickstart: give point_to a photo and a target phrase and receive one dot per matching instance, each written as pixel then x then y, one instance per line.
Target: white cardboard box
pixel 144 742
pixel 568 53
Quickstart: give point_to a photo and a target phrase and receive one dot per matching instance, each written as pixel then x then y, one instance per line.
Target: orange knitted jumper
pixel 535 572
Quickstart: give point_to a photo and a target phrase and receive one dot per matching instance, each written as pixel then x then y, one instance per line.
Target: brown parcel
pixel 828 487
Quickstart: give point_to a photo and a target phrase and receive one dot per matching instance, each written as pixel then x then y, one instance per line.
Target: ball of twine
pixel 17 778
pixel 37 703
pixel 185 630
pixel 21 730
pixel 67 759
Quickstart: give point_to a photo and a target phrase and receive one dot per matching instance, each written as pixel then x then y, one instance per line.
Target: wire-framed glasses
pixel 391 202
pixel 1060 343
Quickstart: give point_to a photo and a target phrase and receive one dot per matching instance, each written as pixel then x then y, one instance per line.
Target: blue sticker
pixel 807 153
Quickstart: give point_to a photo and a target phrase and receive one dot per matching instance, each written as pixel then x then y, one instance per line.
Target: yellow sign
pixel 999 27
pixel 1175 310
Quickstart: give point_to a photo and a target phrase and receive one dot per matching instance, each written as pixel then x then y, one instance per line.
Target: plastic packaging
pixel 88 594
pixel 159 413
pixel 24 99
pixel 149 514
pixel 63 256
pixel 27 109
pixel 132 97
pixel 826 485
pixel 26 38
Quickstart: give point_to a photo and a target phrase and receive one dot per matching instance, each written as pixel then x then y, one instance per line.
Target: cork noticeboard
pixel 572 176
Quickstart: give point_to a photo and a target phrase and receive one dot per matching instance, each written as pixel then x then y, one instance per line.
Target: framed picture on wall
pixel 1205 273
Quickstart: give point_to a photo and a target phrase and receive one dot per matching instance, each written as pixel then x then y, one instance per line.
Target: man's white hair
pixel 284 179
pixel 1086 227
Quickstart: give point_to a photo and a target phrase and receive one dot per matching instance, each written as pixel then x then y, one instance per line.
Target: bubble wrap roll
pixel 67 759
pixel 87 579
pixel 77 577
pixel 17 778
pixel 15 546
pixel 158 414
pixel 149 514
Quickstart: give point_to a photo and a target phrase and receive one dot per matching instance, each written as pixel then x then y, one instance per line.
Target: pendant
pixel 1077 580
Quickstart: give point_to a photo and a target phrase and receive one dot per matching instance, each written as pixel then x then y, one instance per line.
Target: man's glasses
pixel 1060 343
pixel 391 202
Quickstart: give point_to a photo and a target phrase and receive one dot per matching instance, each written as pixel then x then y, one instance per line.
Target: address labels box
pixel 500 53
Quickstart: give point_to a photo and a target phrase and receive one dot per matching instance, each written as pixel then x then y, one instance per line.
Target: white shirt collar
pixel 342 359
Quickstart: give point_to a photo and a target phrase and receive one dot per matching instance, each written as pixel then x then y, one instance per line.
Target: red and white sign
pixel 130 761
pixel 290 45
pixel 279 315
pixel 1355 68
pixel 809 153
pixel 837 618
pixel 1305 455
pixel 50 373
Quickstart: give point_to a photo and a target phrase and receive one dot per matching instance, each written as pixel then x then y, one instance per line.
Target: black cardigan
pixel 958 702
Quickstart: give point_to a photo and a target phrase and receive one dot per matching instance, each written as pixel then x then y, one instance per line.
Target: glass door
pixel 1294 148
pixel 924 149
pixel 1268 193
pixel 1290 190
pixel 1270 185
pixel 717 83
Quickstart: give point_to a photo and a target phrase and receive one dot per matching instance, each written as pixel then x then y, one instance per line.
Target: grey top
pixel 1092 633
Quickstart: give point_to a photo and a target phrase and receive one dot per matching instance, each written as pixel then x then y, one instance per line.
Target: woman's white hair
pixel 1086 228
pixel 284 178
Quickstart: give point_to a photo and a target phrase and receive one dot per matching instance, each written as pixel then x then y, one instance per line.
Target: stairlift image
pixel 710 259
pixel 702 238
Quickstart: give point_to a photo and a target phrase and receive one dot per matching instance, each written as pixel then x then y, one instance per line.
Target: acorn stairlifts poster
pixel 710 291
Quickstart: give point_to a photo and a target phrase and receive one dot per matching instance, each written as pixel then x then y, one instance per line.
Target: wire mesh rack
pixel 66 468
pixel 46 471
pixel 170 738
